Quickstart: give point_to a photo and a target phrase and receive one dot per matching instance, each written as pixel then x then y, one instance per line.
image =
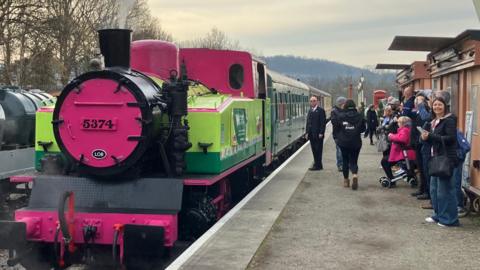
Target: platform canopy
pixel 392 66
pixel 417 43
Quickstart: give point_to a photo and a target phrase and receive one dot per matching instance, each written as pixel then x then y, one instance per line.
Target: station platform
pixel 300 219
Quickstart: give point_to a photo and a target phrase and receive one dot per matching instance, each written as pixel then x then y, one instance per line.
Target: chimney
pixel 115 47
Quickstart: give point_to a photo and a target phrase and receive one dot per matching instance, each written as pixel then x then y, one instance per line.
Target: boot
pixel 346 182
pixel 354 182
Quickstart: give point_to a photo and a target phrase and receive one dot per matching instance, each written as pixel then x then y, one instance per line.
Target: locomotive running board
pixel 139 195
pixel 13 235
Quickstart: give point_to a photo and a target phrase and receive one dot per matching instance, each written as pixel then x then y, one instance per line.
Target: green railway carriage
pixel 289 106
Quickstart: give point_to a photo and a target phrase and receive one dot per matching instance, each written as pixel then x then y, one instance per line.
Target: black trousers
pixel 423 188
pixel 317 150
pixel 371 132
pixel 387 167
pixel 350 160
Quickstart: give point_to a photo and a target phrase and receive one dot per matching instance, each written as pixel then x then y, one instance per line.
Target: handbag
pixel 439 165
pixel 382 143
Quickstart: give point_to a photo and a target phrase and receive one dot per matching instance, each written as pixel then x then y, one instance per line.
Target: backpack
pixel 463 147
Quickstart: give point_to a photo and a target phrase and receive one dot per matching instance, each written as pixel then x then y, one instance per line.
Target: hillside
pixel 331 76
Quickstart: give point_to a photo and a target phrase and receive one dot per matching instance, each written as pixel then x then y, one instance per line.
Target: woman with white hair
pixel 400 140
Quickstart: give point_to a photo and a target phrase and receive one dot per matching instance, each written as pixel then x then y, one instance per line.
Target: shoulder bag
pixel 382 143
pixel 439 165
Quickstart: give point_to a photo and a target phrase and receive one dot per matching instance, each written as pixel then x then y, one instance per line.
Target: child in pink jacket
pixel 400 141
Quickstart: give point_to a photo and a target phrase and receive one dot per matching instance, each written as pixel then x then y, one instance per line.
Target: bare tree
pixel 215 39
pixel 144 25
pixel 44 43
pixel 16 19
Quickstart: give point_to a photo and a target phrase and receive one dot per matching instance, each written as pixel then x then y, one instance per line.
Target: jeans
pixel 444 200
pixel 339 157
pixel 425 159
pixel 350 160
pixel 457 173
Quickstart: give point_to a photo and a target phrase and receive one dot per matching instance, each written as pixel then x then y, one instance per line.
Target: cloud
pixel 353 32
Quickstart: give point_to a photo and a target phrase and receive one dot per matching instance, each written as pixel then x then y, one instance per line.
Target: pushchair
pixel 406 172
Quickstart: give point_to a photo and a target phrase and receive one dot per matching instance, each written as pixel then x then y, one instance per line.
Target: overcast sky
pixel 347 31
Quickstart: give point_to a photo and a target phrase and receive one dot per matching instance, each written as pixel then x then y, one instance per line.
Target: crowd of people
pixel 422 130
pixel 419 131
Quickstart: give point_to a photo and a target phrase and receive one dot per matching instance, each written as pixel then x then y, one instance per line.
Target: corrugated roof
pixel 283 79
pixel 430 44
pixel 392 66
pixel 417 43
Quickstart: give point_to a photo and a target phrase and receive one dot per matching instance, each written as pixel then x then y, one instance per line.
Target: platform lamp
pixel 360 88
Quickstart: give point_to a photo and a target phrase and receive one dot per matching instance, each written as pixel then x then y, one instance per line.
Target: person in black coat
pixel 334 114
pixel 443 137
pixel 348 127
pixel 372 122
pixel 315 132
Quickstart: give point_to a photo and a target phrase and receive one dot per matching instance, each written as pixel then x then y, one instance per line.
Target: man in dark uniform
pixel 316 121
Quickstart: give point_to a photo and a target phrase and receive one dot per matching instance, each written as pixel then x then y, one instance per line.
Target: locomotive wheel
pixel 198 218
pixel 386 183
pixel 195 223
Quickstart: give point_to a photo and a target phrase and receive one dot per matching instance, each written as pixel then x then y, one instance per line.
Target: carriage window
pixel 236 76
pixel 276 106
pixel 294 105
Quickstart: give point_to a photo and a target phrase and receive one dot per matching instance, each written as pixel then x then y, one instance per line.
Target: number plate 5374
pixel 99 124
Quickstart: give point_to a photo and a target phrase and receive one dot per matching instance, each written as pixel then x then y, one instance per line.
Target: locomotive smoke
pixel 125 6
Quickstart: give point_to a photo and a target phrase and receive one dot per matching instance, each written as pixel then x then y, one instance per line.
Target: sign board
pixel 468 135
pixel 240 125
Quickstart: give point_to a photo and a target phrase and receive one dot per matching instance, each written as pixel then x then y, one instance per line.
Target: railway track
pixel 12 199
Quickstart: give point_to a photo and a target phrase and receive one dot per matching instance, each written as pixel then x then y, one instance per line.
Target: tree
pixel 144 25
pixel 44 43
pixel 17 17
pixel 215 39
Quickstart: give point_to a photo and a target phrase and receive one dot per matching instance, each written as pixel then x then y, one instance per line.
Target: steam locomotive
pixel 17 130
pixel 158 145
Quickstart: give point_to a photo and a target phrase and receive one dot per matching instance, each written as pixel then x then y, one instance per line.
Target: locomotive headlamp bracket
pixel 204 146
